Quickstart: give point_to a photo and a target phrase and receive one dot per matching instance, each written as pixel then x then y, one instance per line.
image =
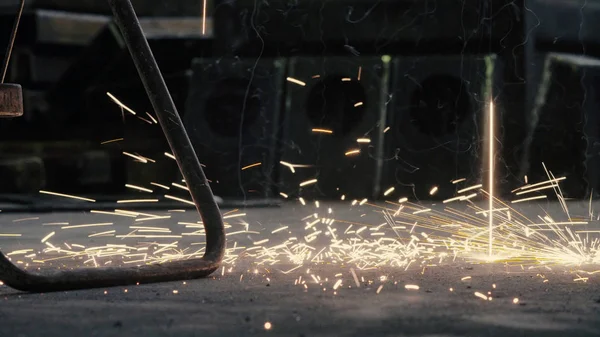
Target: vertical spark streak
pixel 204 18
pixel 491 174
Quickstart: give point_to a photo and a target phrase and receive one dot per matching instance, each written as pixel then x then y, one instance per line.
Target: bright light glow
pixel 491 138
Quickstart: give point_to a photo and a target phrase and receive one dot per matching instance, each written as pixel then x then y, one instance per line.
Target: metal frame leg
pixel 189 165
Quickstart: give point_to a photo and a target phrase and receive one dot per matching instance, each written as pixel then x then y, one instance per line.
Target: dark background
pixel 422 72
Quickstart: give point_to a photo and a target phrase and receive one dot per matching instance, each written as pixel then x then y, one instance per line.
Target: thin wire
pixel 13 36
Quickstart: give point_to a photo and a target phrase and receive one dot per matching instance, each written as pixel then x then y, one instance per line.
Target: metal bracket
pixel 191 170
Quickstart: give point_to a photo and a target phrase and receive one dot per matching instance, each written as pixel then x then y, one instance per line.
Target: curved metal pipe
pixel 191 170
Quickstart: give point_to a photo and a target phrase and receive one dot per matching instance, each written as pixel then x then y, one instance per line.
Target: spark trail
pixel 491 177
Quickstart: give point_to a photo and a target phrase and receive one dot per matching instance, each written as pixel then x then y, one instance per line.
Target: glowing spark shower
pixel 351 237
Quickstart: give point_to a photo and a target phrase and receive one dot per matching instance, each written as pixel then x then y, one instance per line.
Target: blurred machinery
pixel 143 7
pixel 233 119
pixel 564 130
pixel 11 105
pixel 405 29
pixel 351 27
pixel 456 54
pixel 68 56
pixel 334 109
pixel 437 117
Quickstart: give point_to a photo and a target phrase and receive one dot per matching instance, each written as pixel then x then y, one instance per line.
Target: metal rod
pixel 11 43
pixel 172 126
pixel 189 165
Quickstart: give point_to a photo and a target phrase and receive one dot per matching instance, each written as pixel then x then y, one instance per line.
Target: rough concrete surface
pixel 550 303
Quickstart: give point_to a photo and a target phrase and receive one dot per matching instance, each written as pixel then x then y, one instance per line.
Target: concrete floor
pixel 550 303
